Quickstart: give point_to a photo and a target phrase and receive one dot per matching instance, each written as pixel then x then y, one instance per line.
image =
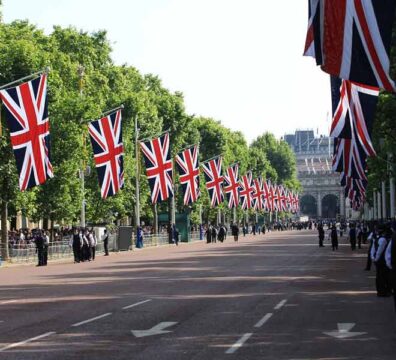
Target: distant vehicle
pixel 303 218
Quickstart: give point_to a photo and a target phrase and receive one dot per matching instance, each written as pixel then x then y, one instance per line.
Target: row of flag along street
pixel 26 108
pixel 350 40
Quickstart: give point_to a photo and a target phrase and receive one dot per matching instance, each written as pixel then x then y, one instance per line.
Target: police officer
pixel 372 236
pixel 378 257
pixel 39 241
pixel 321 234
pixel 390 258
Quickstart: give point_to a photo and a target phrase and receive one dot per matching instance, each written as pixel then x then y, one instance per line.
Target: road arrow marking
pixel 155 330
pixel 344 331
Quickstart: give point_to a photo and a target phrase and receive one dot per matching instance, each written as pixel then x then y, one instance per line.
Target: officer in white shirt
pixel 382 280
pixel 390 259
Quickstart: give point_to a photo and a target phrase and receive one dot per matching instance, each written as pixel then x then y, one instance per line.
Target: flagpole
pixel 112 111
pixel 137 190
pixel 46 70
pixel 82 214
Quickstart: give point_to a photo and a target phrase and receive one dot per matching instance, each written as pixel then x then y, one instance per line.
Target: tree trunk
pixel 4 231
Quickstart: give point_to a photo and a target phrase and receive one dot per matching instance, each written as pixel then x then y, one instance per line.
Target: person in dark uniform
pixel 334 237
pixel 321 234
pixel 106 242
pixel 208 234
pixel 390 259
pixel 177 236
pixel 352 236
pixel 382 279
pixel 39 241
pixel 46 241
pixel 244 230
pixel 76 245
pixel 372 237
pixel 235 231
pixel 221 234
pixel 214 234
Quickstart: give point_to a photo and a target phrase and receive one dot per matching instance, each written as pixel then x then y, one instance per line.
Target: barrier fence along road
pixel 26 253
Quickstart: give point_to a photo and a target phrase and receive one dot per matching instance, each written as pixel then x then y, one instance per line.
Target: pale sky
pixel 236 61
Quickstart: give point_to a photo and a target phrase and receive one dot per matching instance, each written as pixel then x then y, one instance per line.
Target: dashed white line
pixel 27 341
pixel 90 320
pixel 133 305
pixel 8 302
pixel 283 302
pixel 263 320
pixel 239 343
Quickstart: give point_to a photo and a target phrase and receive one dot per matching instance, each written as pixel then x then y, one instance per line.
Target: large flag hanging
pixel 351 39
pixel 354 114
pixel 158 162
pixel 188 167
pixel 214 180
pixel 246 192
pixel 231 186
pixel 258 194
pixel 268 196
pixel 108 149
pixel 26 108
pixel 282 198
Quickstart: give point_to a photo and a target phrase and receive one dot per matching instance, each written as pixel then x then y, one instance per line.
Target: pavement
pixel 273 296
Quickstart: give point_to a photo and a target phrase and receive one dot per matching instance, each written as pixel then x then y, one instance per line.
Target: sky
pixel 236 61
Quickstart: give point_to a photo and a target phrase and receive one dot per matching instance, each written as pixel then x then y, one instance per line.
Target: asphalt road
pixel 277 296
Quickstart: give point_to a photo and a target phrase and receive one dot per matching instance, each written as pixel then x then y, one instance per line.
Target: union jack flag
pixel 188 167
pixel 157 157
pixel 354 114
pixel 108 149
pixel 246 192
pixel 352 39
pixel 231 187
pixel 26 108
pixel 269 204
pixel 296 203
pixel 282 198
pixel 214 180
pixel 349 158
pixel 258 194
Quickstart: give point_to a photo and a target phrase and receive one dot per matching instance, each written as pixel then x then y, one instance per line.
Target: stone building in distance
pixel 322 195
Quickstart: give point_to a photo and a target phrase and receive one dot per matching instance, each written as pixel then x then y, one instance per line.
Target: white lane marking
pixel 283 302
pixel 90 320
pixel 263 320
pixel 158 329
pixel 8 302
pixel 27 341
pixel 239 343
pixel 133 305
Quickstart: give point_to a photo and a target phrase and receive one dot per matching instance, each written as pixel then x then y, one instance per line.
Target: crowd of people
pixel 381 240
pixel 84 242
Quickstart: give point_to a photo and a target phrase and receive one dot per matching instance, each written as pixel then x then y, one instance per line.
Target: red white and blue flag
pixel 246 193
pixel 108 149
pixel 231 186
pixel 354 114
pixel 351 39
pixel 214 180
pixel 157 157
pixel 187 164
pixel 268 196
pixel 258 194
pixel 26 108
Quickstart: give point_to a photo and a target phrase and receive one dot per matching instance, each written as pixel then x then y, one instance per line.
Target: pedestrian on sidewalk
pixel 92 243
pixel 371 238
pixel 46 241
pixel 208 234
pixel 235 231
pixel 177 236
pixel 39 242
pixel 76 245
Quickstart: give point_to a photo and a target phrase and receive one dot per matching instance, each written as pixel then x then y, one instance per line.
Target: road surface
pixel 274 296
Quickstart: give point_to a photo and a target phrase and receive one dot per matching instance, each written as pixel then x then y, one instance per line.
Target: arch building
pixel 322 195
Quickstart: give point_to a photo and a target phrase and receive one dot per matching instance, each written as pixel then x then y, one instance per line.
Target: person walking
pixel 92 243
pixel 76 244
pixel 208 234
pixel 177 236
pixel 235 231
pixel 46 241
pixel 39 241
pixel 352 236
pixel 334 238
pixel 321 234
pixel 105 239
pixel 371 238
pixel 86 256
pixel 382 282
pixel 390 259
pixel 214 234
